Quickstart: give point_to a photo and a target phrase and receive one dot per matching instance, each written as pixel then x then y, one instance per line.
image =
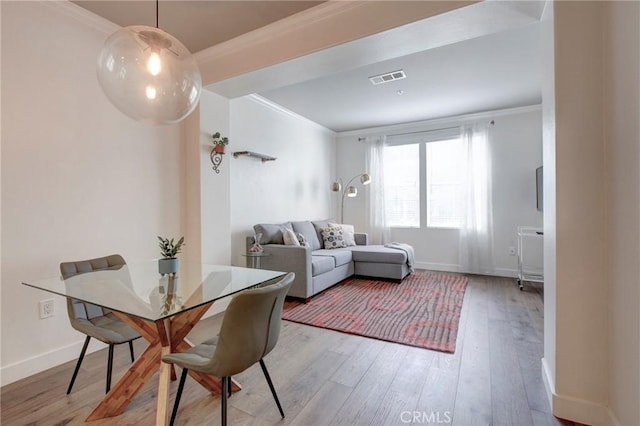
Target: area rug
pixel 423 310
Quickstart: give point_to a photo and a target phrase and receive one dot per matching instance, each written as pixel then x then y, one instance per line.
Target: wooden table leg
pixel 162 413
pixel 120 395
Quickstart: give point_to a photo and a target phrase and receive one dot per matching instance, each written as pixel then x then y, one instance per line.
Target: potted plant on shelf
pixel 169 262
pixel 219 142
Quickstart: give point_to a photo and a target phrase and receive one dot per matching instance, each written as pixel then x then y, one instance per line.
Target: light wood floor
pixel 325 377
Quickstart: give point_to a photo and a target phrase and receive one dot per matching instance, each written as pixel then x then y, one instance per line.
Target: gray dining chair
pixel 250 330
pixel 95 321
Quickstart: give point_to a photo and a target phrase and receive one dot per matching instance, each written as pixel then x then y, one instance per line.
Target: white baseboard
pixel 450 267
pixel 575 409
pixel 30 366
pixel 36 364
pixel 444 267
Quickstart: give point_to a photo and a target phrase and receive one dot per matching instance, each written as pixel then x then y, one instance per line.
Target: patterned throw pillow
pixel 348 231
pixel 302 240
pixel 333 237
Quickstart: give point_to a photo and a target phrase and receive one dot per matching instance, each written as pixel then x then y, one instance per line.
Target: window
pixel 402 185
pixel 444 183
pixel 424 172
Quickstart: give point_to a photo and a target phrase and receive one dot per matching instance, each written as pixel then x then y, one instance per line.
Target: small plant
pixel 218 140
pixel 168 248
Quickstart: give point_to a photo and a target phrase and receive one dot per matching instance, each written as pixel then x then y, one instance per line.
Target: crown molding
pixel 287 25
pixel 282 110
pixel 440 122
pixel 83 15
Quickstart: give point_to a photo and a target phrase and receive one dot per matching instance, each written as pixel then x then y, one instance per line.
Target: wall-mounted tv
pixel 539 188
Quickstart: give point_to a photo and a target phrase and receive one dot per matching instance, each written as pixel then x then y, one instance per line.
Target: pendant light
pixel 149 75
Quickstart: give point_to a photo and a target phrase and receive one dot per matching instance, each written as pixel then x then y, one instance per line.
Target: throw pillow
pixel 348 231
pixel 271 232
pixel 306 228
pixel 302 240
pixel 289 237
pixel 333 238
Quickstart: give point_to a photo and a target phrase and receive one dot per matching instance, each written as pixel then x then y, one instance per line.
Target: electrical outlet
pixel 512 251
pixel 47 308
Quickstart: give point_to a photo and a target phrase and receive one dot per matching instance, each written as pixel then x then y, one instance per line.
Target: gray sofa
pixel 317 268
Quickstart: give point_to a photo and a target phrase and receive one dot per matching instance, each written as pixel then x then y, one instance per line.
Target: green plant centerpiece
pixel 169 250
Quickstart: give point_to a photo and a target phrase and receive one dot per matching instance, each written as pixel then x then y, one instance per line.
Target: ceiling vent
pixel 387 77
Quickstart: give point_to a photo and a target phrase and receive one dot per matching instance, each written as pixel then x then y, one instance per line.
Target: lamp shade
pixel 149 75
pixel 336 187
pixel 365 179
pixel 352 191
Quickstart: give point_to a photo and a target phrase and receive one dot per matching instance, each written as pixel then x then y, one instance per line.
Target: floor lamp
pixel 349 190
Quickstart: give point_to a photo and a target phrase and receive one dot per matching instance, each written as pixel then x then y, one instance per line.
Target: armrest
pixel 295 259
pixel 362 238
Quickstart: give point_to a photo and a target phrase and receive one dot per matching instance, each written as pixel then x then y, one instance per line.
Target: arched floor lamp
pixel 349 190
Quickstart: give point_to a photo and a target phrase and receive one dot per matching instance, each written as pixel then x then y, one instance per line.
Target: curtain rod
pixel 362 139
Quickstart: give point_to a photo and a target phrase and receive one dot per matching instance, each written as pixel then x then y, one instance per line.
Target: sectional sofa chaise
pixel 318 267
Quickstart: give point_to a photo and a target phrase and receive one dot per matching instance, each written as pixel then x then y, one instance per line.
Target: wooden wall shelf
pixel 262 157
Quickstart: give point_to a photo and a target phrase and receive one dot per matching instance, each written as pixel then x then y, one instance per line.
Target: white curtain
pixel 379 232
pixel 476 230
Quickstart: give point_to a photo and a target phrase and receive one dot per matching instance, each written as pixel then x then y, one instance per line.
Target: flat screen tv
pixel 539 188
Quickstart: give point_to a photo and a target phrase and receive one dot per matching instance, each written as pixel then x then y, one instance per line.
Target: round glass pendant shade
pixel 149 75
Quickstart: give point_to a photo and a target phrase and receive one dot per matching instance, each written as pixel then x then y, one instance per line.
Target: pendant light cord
pixel 157 8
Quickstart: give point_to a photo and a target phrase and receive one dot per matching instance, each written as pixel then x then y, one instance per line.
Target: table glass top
pixel 138 289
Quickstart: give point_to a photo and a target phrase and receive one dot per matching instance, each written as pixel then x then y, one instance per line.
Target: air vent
pixel 387 77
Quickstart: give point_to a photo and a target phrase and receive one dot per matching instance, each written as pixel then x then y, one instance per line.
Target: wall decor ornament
pixel 219 143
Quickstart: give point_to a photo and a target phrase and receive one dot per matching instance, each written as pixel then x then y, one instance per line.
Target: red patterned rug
pixel 423 310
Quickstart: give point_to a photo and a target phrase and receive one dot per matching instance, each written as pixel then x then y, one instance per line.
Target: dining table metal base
pixel 164 336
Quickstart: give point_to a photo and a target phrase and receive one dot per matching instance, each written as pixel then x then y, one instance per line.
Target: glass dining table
pixel 162 309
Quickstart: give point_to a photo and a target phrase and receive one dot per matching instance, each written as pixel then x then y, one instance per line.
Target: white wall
pixel 580 391
pixel 549 184
pixel 294 187
pixel 622 134
pixel 516 149
pixel 79 179
pixel 215 197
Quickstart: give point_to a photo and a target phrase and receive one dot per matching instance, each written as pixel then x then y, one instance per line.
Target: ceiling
pixel 493 72
pixel 197 24
pixel 449 72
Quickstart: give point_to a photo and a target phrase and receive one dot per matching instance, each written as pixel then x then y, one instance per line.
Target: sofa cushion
pixel 306 228
pixel 271 233
pixel 340 256
pixel 378 254
pixel 333 237
pixel 319 225
pixel 321 264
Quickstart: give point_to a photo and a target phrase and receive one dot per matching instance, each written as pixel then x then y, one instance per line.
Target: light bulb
pixel 151 92
pixel 153 64
pixel 126 67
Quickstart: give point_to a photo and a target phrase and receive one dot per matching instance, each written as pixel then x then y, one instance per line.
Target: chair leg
pixel 183 377
pixel 131 350
pixel 80 358
pixel 109 367
pixel 225 391
pixel 273 390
